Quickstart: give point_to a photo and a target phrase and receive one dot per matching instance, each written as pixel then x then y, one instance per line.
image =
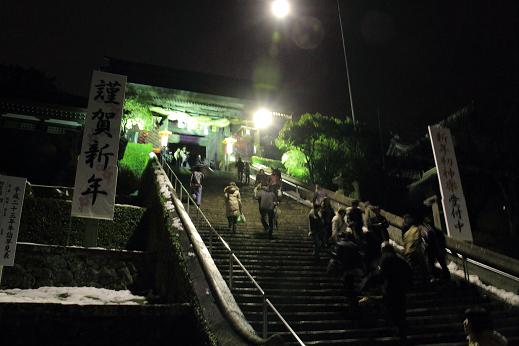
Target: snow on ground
pixel 71 295
pixel 509 297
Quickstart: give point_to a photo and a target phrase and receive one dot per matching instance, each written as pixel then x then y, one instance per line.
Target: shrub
pixel 295 163
pixel 132 166
pixel 268 162
pixel 47 221
pixel 136 158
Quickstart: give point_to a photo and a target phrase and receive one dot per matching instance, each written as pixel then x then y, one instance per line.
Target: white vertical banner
pixel 12 190
pixel 453 199
pixel 96 174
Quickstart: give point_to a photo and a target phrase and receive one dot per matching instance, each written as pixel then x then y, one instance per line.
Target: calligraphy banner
pixel 12 190
pixel 96 173
pixel 453 199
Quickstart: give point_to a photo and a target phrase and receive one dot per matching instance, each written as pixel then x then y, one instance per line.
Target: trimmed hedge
pixel 268 162
pixel 47 221
pixel 132 166
pixel 136 157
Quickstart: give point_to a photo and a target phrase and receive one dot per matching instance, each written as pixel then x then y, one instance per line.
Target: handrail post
pixel 265 322
pixel 188 204
pixel 210 241
pixel 230 270
pixel 465 269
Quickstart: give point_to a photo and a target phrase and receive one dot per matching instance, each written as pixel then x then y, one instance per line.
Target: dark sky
pixel 414 61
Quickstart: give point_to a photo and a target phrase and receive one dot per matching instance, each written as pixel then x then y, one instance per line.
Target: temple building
pixel 210 116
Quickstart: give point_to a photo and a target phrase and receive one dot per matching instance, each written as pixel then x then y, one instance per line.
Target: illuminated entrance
pixel 218 128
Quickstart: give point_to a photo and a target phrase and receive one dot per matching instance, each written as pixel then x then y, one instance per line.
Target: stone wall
pixel 50 265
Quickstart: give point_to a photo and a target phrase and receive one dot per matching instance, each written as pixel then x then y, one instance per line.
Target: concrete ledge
pixel 40 265
pixel 489 257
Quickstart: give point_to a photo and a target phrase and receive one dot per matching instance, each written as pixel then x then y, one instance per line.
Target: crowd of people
pixel 267 192
pixel 243 170
pixel 362 256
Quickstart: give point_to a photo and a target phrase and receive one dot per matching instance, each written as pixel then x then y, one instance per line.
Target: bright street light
pixel 262 118
pixel 280 8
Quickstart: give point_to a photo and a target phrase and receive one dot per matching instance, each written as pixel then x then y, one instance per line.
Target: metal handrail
pixel 300 187
pixel 484 266
pixel 232 257
pixel 53 186
pixel 465 259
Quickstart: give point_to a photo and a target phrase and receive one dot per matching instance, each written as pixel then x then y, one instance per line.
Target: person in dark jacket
pixel 479 329
pixel 275 181
pixel 355 219
pixel 397 278
pixel 261 178
pixel 319 195
pixel 315 229
pixel 378 223
pixel 240 166
pixel 327 214
pixel 267 203
pixel 350 266
pixel 246 172
pixel 435 249
pixel 377 233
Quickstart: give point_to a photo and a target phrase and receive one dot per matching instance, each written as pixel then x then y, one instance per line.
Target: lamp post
pixel 262 118
pixel 346 63
pixel 281 8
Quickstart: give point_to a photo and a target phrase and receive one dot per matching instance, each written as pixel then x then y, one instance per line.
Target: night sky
pixel 413 62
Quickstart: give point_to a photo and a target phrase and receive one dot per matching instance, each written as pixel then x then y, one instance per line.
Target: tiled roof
pixel 41 110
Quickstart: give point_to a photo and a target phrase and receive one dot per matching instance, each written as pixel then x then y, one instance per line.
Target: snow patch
pixel 177 223
pixel 169 206
pixel 509 297
pixel 71 295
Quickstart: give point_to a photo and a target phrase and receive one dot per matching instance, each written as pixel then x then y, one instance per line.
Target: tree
pixel 295 163
pixel 136 113
pixel 324 141
pixel 333 147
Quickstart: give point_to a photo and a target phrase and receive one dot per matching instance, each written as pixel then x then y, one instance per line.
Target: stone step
pixel 312 301
pixel 337 294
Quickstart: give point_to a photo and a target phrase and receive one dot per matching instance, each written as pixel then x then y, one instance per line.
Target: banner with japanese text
pixel 453 199
pixel 96 174
pixel 12 190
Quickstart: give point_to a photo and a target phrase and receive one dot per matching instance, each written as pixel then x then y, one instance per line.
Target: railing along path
pixel 180 190
pixel 297 188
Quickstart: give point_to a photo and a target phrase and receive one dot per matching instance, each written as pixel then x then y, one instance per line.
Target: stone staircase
pixel 311 301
